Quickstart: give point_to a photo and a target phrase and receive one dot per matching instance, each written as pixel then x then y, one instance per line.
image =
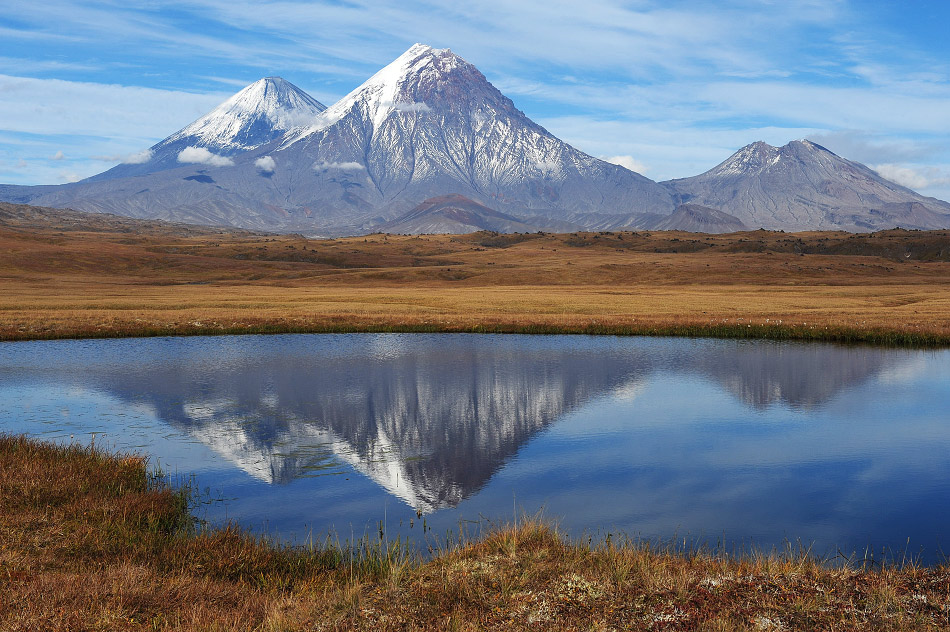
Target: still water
pixel 731 443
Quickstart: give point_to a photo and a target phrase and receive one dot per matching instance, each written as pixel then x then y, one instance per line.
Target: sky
pixel 668 88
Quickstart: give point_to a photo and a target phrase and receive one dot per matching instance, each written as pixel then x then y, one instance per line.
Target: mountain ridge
pixel 430 124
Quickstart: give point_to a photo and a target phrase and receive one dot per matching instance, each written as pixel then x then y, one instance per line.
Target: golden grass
pixel 89 541
pixel 887 287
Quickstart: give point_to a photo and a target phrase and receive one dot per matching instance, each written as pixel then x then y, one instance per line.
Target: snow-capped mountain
pixel 257 115
pixel 253 117
pixel 430 125
pixel 803 186
pixel 426 125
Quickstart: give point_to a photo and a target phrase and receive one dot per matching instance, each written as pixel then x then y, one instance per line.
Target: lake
pixel 727 443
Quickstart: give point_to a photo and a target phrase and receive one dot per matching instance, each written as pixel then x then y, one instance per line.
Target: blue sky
pixel 671 88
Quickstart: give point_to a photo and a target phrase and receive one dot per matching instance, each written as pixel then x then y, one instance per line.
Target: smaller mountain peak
pixel 254 116
pixel 754 157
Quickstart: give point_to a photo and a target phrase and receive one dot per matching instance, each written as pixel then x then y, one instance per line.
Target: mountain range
pixel 427 144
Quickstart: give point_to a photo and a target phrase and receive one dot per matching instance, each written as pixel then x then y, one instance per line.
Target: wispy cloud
pixel 409 107
pixel 55 106
pixel 58 156
pixel 343 166
pixel 135 158
pixel 627 162
pixel 22 65
pixel 914 177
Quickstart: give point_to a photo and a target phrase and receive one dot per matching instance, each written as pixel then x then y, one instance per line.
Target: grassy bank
pixel 879 336
pixel 89 540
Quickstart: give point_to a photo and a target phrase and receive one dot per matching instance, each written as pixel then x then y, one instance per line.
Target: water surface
pixel 735 443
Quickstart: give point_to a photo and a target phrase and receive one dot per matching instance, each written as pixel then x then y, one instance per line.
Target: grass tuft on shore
pixel 90 540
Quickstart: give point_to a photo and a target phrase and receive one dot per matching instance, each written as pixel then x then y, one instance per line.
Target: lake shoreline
pixel 92 539
pixel 876 336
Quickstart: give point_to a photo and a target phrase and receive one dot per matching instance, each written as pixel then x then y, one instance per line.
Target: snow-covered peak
pixel 760 157
pixel 254 116
pixel 396 88
pixel 752 158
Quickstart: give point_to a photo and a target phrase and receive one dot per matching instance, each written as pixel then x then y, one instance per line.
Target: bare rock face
pixel 803 186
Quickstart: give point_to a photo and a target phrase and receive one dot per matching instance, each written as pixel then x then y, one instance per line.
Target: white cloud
pixel 346 166
pixel 201 156
pixel 58 156
pixel 136 158
pixel 265 164
pixel 291 118
pixel 627 162
pixel 69 177
pixel 546 167
pixel 913 178
pixel 408 107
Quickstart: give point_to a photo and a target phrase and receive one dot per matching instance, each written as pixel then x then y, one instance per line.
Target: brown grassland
pixel 91 541
pixel 66 274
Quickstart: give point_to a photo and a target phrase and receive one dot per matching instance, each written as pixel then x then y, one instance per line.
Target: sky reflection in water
pixel 740 442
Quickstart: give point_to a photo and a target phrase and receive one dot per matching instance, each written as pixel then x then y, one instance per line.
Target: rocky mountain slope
pixel 456 214
pixel 803 186
pixel 694 218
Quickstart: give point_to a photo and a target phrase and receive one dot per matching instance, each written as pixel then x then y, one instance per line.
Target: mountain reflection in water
pixel 429 418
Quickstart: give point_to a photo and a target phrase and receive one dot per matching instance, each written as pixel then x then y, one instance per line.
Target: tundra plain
pixel 68 274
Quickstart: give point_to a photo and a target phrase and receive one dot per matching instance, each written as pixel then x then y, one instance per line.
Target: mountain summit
pixel 430 123
pixel 257 115
pixel 803 186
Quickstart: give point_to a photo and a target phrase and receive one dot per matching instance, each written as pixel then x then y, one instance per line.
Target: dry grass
pixel 89 541
pixel 891 287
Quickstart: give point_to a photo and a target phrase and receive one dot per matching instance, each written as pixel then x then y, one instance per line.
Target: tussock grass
pixel 90 541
